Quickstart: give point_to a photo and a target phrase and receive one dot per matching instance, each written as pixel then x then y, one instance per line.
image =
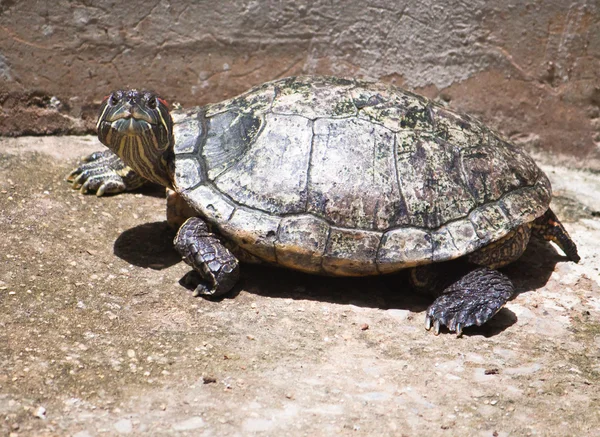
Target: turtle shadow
pixel 275 282
pixel 149 245
pixel 383 292
pixel 533 270
pixel 151 189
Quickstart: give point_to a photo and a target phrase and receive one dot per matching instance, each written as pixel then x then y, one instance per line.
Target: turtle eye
pixel 113 100
pixel 152 103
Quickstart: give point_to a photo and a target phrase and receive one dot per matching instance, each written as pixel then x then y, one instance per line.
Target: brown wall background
pixel 530 69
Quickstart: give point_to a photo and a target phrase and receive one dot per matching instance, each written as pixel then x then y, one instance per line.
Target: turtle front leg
pixel 204 252
pixel 472 300
pixel 104 173
pixel 178 210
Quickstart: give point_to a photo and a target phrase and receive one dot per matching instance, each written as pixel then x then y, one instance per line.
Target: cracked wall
pixel 530 69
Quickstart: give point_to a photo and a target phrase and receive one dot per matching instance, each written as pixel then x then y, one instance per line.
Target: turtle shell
pixel 346 177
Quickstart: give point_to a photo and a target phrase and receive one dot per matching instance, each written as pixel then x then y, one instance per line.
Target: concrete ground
pixel 97 336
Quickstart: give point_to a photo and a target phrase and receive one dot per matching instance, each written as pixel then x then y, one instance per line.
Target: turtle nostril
pixel 132 97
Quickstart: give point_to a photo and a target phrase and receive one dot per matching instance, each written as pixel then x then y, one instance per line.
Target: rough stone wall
pixel 530 69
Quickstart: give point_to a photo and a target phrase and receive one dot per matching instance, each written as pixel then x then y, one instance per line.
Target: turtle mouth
pixel 129 124
pixel 131 120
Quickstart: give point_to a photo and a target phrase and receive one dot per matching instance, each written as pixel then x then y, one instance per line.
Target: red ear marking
pixel 163 102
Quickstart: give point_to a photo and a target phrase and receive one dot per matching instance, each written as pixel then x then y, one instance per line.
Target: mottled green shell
pixel 346 177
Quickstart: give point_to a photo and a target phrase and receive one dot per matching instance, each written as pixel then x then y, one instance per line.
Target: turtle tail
pixel 550 228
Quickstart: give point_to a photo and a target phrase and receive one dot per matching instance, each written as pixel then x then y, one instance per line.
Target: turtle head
pixel 137 126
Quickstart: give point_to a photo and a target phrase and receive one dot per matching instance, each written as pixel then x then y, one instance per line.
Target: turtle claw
pixel 193 280
pixel 79 180
pixel 201 290
pixel 427 322
pixel 459 330
pixel 71 176
pixel 86 165
pixel 104 184
pixel 436 324
pixel 94 156
pixel 436 327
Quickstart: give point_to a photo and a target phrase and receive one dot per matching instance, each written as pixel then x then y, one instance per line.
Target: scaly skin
pixel 203 251
pixel 104 173
pixel 550 228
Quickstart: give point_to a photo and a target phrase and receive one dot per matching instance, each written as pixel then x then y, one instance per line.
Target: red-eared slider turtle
pixel 335 177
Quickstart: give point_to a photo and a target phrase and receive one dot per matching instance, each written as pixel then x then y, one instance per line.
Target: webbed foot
pixel 104 173
pixel 215 264
pixel 472 300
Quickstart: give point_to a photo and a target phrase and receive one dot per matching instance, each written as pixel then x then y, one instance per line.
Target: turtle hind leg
pixel 204 252
pixel 550 228
pixel 472 300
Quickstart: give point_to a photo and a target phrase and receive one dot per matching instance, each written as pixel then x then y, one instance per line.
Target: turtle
pixel 333 176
